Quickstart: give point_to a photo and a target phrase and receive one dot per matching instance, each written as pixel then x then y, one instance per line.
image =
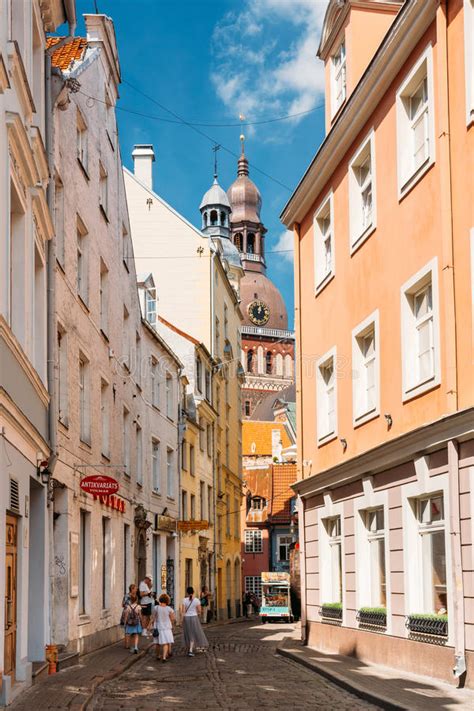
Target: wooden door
pixel 10 596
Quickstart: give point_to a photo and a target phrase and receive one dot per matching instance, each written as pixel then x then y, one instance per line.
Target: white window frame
pixel 253 584
pixel 326 558
pixel 408 173
pixel 323 276
pixel 170 483
pixel 412 386
pixel 469 59
pixel 155 465
pixel 342 70
pixel 287 544
pixel 359 231
pixel 361 412
pixel 324 432
pixel 253 540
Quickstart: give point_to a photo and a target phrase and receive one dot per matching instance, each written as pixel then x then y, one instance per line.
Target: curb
pixel 342 681
pixel 113 674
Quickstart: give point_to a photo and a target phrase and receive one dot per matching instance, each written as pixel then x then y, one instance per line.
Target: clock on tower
pixel 258 312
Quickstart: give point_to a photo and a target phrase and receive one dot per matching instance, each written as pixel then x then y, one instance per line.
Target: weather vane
pixel 242 137
pixel 215 148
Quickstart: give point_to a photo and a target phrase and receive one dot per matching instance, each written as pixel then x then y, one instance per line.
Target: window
pixel 59 219
pixel 155 383
pixel 238 241
pixel 420 332
pixel 184 455
pixel 126 441
pixel 415 123
pixel 268 363
pixel 106 555
pixel 217 338
pixel 126 556
pixel 227 448
pixel 257 503
pixel 202 432
pixel 84 561
pixel 326 394
pixel 198 375
pixel 226 321
pixel 366 376
pixel 208 386
pixel 202 501
pixel 150 305
pixel 288 366
pixel 236 519
pixel 333 530
pixel 81 141
pixel 169 473
pixel 184 505
pixel 139 454
pixel 18 260
pixel 431 529
pixel 247 408
pixel 84 400
pixel 126 360
pixel 188 572
pixel 155 464
pixel 253 584
pixel 103 190
pixel 138 359
pixel 375 528
pixel 250 243
pixel 227 515
pixel 63 395
pixel 283 548
pixel 82 263
pixel 104 298
pixel 169 396
pixel 250 360
pixel 469 58
pixel 338 78
pixel 253 541
pixel 105 417
pixel 210 504
pixel 192 460
pixel 39 311
pixel 362 193
pixel 126 254
pixel 323 244
pixel 192 500
pixel 209 440
pixel 109 117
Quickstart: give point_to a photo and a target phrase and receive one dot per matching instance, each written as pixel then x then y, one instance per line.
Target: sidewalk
pixel 387 688
pixel 73 687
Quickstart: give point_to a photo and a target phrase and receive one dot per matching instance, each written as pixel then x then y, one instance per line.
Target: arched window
pixel 268 363
pixel 247 408
pixel 251 243
pixel 223 219
pixel 279 364
pixel 205 219
pixel 288 366
pixel 250 360
pixel 214 217
pixel 238 241
pixel 257 503
pixel 260 366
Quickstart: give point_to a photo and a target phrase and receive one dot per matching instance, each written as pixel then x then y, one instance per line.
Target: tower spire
pixel 242 165
pixel 215 148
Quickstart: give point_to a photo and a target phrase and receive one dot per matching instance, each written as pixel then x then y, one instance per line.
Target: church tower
pixel 268 347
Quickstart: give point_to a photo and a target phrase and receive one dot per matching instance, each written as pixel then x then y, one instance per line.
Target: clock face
pixel 259 313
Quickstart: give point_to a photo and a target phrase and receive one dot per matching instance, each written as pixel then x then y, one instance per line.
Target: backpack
pixel 133 618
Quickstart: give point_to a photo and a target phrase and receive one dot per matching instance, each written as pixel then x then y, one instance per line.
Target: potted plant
pixel 428 624
pixel 373 616
pixel 331 611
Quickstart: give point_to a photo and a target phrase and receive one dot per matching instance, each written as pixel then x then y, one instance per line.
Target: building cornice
pixel 407 29
pixel 4 83
pixel 423 440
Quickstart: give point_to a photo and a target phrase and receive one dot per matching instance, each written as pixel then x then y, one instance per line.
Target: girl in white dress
pixel 162 619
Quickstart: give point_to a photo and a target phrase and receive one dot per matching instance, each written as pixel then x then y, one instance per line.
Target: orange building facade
pixel 384 238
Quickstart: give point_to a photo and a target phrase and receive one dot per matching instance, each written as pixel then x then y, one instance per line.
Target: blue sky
pixel 208 61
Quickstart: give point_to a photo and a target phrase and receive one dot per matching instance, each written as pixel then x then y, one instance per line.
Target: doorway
pixel 10 596
pixel 141 557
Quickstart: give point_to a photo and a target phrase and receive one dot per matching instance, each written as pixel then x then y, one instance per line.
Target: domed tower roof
pixel 215 211
pixel 215 196
pixel 244 196
pixel 255 286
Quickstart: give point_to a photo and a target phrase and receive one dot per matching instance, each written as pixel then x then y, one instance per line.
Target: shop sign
pixel 275 577
pixel 113 502
pixel 163 576
pixel 99 484
pixel 166 523
pixel 193 525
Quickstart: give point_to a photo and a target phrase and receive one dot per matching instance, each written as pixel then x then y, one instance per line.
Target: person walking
pixel 163 619
pixel 145 594
pixel 204 600
pixel 132 591
pixel 247 604
pixel 192 630
pixel 133 622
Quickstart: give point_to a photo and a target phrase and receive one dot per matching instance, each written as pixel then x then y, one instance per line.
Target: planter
pixel 372 618
pixel 331 613
pixel 428 626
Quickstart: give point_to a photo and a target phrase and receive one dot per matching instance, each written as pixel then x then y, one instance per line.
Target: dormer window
pixel 338 69
pixel 257 503
pixel 150 305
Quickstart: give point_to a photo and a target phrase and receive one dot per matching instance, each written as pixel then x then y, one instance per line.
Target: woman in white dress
pixel 192 630
pixel 163 619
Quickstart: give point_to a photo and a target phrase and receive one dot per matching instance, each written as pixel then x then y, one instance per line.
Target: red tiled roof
pixel 283 476
pixel 260 435
pixel 63 57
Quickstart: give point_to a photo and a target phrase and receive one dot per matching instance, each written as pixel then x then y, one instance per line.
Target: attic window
pixel 258 503
pixel 338 77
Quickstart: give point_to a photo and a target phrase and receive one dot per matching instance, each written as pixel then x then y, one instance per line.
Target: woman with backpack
pixel 132 590
pixel 133 621
pixel 192 630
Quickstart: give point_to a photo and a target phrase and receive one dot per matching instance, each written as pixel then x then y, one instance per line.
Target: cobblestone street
pixel 241 670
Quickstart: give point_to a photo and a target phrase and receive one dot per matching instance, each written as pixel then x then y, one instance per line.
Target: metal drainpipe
pixel 214 475
pixel 459 668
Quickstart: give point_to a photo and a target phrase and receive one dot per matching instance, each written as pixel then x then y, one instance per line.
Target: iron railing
pixel 429 626
pixel 331 613
pixel 372 619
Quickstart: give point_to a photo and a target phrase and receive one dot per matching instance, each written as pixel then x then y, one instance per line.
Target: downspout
pixel 450 344
pixel 214 473
pixel 181 426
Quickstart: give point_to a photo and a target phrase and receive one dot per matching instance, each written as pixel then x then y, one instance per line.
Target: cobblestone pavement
pixel 241 670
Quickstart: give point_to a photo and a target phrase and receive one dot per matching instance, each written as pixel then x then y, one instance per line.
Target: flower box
pixel 428 625
pixel 331 611
pixel 372 617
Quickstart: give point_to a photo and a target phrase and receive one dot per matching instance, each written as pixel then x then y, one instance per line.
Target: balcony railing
pixel 271 332
pixel 252 257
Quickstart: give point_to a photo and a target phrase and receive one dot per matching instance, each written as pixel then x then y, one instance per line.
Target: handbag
pixel 155 632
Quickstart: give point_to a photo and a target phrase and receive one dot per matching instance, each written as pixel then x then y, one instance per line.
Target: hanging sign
pixel 99 484
pixel 193 525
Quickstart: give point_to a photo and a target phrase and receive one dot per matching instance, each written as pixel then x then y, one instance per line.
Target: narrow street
pixel 241 670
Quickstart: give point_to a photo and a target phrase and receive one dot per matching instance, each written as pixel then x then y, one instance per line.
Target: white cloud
pixel 255 72
pixel 285 246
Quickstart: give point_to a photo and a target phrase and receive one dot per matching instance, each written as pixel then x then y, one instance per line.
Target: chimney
pixel 143 156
